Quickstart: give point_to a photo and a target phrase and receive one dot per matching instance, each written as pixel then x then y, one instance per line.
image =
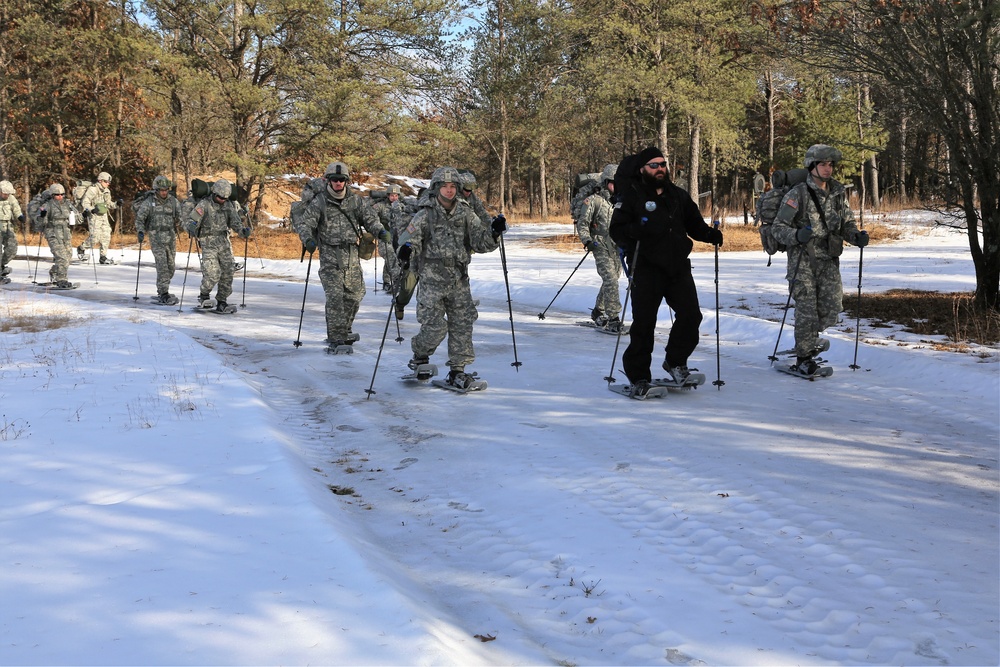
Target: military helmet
pixel 393 189
pixel 6 188
pixel 222 188
pixel 337 169
pixel 162 183
pixel 821 153
pixel 468 179
pixel 445 175
pixel 104 176
pixel 608 173
pixel 57 189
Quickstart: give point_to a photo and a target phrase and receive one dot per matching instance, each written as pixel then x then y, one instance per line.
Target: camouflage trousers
pixel 216 266
pixel 8 238
pixel 819 295
pixel 609 268
pixel 61 245
pixel 390 266
pixel 163 245
pixel 344 285
pixel 100 234
pixel 445 308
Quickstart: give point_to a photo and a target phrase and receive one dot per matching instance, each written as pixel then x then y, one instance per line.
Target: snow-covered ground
pixel 186 488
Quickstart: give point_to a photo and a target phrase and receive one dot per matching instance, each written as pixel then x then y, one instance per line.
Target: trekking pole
pixel 791 286
pixel 118 227
pixel 857 325
pixel 38 258
pixel 375 268
pixel 628 291
pixel 510 308
pixel 259 255
pixel 718 364
pixel 180 303
pixel 392 307
pixel 541 315
pixel 246 246
pixel 298 342
pixel 93 258
pixel 138 264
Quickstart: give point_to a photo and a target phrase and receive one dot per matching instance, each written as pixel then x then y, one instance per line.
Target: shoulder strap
pixel 819 208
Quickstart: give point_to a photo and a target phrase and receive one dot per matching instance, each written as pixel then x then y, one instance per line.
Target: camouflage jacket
pixel 214 219
pixel 798 210
pixel 447 239
pixel 336 222
pixel 10 209
pixel 99 197
pixel 158 215
pixel 595 217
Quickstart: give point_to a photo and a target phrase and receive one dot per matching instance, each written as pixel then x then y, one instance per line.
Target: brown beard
pixel 653 179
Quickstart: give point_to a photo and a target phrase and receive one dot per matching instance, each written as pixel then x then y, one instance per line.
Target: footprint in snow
pixel 406 463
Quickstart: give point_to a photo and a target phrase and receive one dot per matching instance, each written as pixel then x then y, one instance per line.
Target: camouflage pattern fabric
pixel 592 225
pixel 443 243
pixel 214 221
pixel 818 288
pixel 99 197
pixel 478 207
pixel 393 217
pixel 58 236
pixel 10 211
pixel 158 220
pixel 336 224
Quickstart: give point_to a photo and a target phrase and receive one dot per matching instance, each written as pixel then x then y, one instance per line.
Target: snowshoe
pixel 807 368
pixel 164 300
pixel 461 382
pixel 106 260
pixel 680 377
pixel 420 371
pixel 339 347
pixel 640 391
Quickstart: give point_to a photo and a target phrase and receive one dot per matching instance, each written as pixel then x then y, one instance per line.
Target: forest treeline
pixel 526 93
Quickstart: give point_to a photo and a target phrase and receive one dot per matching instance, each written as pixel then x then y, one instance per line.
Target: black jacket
pixel 664 224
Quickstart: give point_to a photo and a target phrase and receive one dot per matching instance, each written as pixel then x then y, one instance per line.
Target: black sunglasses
pixel 337 179
pixel 657 165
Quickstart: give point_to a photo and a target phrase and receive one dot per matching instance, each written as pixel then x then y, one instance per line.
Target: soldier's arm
pixel 480 233
pixel 369 218
pixel 791 210
pixel 583 223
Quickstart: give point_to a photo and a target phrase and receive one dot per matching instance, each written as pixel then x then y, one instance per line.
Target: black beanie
pixel 649 154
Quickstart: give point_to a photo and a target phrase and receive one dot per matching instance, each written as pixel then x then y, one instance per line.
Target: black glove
pixel 499 225
pixel 119 202
pixel 309 246
pixel 404 255
pixel 803 235
pixel 86 214
pixel 141 236
pixel 20 218
pixel 94 211
pixel 715 236
pixel 589 245
pixel 42 213
pixel 861 239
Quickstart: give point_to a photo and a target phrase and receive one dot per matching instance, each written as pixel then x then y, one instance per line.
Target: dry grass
pixel 20 317
pixel 950 314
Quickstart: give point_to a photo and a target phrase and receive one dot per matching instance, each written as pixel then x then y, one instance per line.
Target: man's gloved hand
pixel 95 211
pixel 192 228
pixel 803 235
pixel 715 238
pixel 20 218
pixel 42 213
pixel 141 236
pixel 119 202
pixel 310 245
pixel 404 255
pixel 385 237
pixel 499 225
pixel 86 214
pixel 861 239
pixel 589 245
pixel 245 233
pixel 625 259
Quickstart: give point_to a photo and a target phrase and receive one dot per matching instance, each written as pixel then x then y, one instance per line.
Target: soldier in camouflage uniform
pixel 159 217
pixel 334 223
pixel 592 228
pixel 57 216
pixel 96 203
pixel 394 219
pixel 439 242
pixel 813 222
pixel 469 194
pixel 210 222
pixel 10 211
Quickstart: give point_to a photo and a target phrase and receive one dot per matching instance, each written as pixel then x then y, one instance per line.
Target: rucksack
pixel 79 191
pixel 140 199
pixel 768 205
pixel 34 206
pixel 586 185
pixel 313 187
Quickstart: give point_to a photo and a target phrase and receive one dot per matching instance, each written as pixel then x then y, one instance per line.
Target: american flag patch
pixel 200 211
pixel 411 229
pixel 792 201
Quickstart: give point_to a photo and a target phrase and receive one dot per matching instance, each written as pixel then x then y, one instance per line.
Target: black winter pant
pixel 650 286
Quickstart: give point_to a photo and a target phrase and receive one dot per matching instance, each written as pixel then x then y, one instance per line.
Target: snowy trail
pixel 570 523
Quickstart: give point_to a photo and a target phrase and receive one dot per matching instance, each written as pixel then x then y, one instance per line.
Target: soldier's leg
pixel 354 292
pixel 806 311
pixel 9 244
pixel 461 314
pixel 61 255
pixel 210 269
pixel 226 268
pixel 829 295
pixel 431 316
pixel 609 269
pixel 332 278
pixel 103 236
pixel 160 252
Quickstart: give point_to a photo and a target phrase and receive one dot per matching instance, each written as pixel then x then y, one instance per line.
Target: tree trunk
pixel 694 160
pixel 901 177
pixel 542 185
pixel 771 104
